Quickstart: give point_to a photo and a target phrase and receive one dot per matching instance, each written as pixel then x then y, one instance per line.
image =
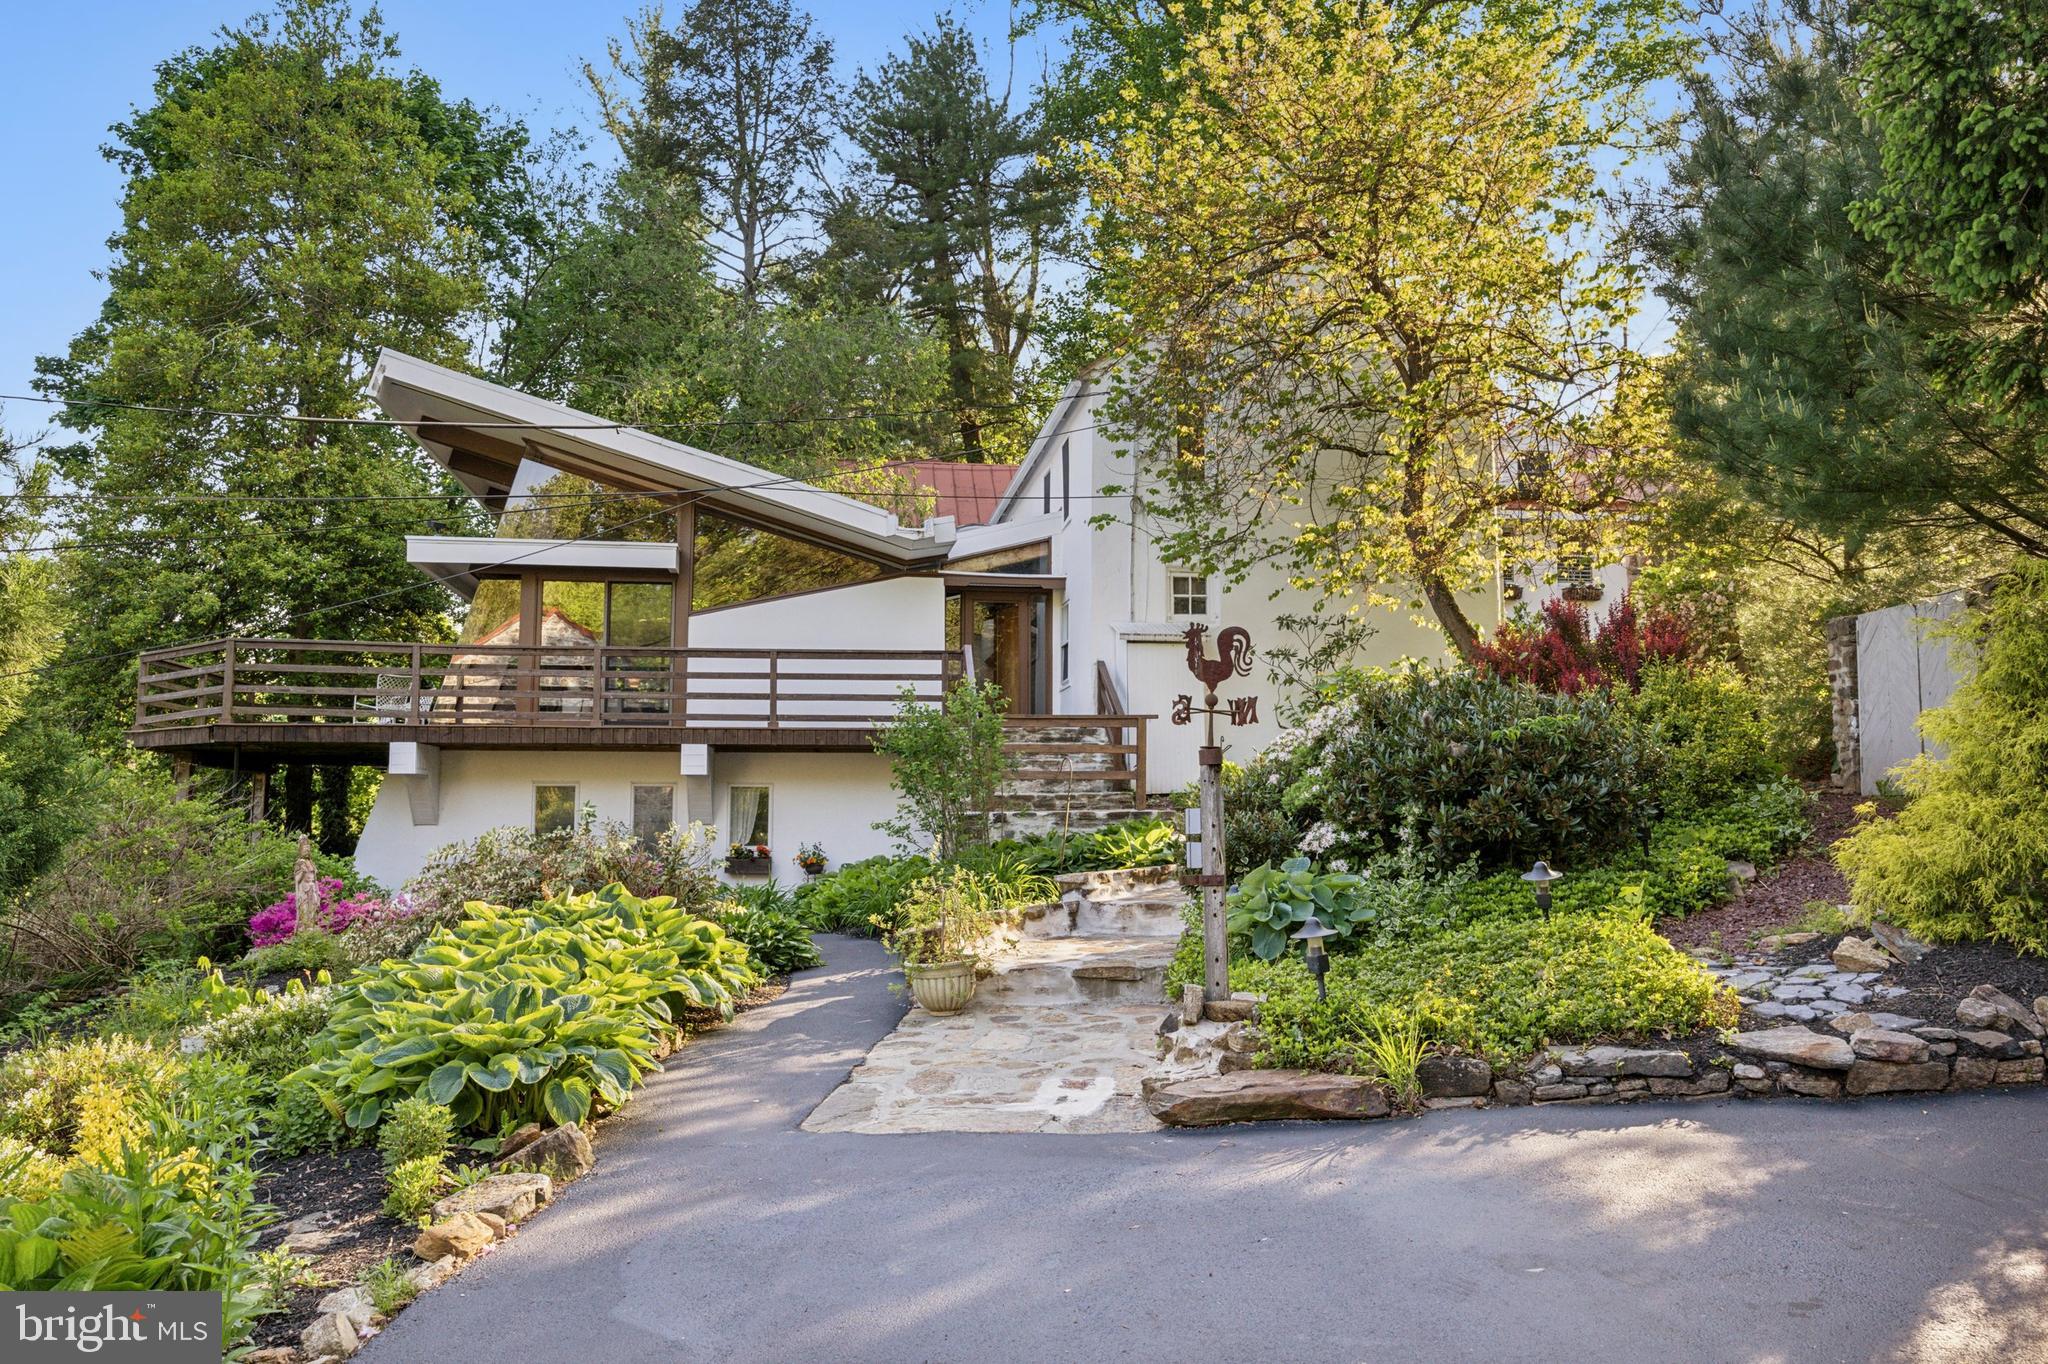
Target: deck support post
pixel 259 796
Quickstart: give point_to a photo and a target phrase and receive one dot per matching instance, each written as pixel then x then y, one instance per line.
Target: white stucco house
pixel 732 670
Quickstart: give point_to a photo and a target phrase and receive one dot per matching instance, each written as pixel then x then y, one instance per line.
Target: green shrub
pixel 1968 857
pixel 945 763
pixel 1460 766
pixel 1714 739
pixel 1149 841
pixel 165 1001
pixel 299 1120
pixel 388 1287
pixel 1270 903
pixel 516 866
pixel 270 1034
pixel 83 1094
pixel 411 1188
pixel 154 879
pixel 1758 825
pixel 516 1015
pixel 50 788
pixel 777 943
pixel 310 950
pixel 861 897
pixel 1503 987
pixel 415 1128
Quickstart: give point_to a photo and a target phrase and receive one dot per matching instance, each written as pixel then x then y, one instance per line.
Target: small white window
pixel 749 816
pixel 554 808
pixel 654 812
pixel 1187 594
pixel 1575 570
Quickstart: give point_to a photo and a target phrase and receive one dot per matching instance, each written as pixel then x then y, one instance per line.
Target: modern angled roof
pixel 483 431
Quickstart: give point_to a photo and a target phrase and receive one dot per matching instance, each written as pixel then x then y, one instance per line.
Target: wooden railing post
pixel 413 712
pixel 774 682
pixel 597 684
pixel 227 684
pixel 1138 763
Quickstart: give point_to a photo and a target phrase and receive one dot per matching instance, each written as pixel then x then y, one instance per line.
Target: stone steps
pixel 1140 912
pixel 1077 970
pixel 1082 819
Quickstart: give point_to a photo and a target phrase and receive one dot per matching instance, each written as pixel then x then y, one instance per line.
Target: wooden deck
pixel 253 703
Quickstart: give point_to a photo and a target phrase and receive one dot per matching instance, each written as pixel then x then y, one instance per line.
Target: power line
pixel 164 409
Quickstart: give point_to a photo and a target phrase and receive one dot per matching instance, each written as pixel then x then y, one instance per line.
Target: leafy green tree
pixel 957 203
pixel 1814 366
pixel 947 762
pixel 1360 274
pixel 736 99
pixel 31 617
pixel 292 204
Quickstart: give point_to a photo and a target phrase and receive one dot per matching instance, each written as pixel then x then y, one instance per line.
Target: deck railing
pixel 323 682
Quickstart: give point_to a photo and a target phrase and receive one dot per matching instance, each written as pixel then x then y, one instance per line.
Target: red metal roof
pixel 968 493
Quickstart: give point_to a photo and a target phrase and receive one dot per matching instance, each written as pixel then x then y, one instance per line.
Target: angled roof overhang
pixel 482 432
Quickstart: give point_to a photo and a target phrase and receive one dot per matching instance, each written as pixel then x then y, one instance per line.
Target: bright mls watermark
pixel 162 1328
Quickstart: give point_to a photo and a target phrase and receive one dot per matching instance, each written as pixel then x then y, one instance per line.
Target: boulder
pixel 1232 1010
pixel 1453 1077
pixel 1613 1062
pixel 433 1274
pixel 1261 1096
pixel 352 1303
pixel 462 1236
pixel 524 1135
pixel 1976 1014
pixel 1859 954
pixel 1545 1094
pixel 510 1196
pixel 1513 1093
pixel 1812 1086
pixel 1891 1077
pixel 1777 942
pixel 1881 1044
pixel 1973 1072
pixel 330 1335
pixel 1997 1045
pixel 2017 1016
pixel 1739 871
pixel 2041 1008
pixel 276 1354
pixel 1898 942
pixel 1800 1046
pixel 2021 1072
pixel 1190 1004
pixel 562 1153
pixel 1714 1081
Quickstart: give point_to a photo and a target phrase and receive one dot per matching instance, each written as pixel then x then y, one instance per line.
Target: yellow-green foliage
pixel 1968 858
pixel 1713 735
pixel 67 1103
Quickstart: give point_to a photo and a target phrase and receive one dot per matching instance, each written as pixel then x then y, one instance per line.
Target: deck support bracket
pixel 420 767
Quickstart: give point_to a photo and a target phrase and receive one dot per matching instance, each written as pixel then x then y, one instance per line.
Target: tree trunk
pixel 295 803
pixel 1443 603
pixel 335 835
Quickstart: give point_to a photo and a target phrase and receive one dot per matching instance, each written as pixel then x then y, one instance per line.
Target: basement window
pixel 554 809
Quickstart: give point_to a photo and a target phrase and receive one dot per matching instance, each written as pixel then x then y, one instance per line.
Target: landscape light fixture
pixel 1311 935
pixel 1541 876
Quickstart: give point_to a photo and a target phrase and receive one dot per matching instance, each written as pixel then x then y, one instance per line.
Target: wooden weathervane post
pixel 1206 866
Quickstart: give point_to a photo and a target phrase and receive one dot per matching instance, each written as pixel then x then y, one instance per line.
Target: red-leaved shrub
pixel 1564 653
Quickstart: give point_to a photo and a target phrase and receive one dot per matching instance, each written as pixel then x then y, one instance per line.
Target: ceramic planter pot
pixel 942 988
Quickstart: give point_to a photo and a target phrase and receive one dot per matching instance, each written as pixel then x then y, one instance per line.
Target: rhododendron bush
pixel 334 913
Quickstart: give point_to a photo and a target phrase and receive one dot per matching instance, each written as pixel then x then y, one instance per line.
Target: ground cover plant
pixel 1967 857
pixel 510 1015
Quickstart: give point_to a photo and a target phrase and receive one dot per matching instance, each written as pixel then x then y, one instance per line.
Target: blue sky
pixel 69 68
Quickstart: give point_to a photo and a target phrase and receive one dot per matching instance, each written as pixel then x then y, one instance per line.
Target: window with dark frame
pixel 1066 482
pixel 1045 495
pixel 1187 594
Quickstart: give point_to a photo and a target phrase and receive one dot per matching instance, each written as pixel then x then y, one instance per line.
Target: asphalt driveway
pixel 1771 1233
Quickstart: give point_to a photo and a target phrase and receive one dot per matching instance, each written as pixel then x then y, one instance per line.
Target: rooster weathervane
pixel 1233 658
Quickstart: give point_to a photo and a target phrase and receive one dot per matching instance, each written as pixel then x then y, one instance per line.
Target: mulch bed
pixel 1779 896
pixel 1936 983
pixel 349 1184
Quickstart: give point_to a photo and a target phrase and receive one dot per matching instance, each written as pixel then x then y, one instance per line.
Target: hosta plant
pixel 1271 902
pixel 514 1015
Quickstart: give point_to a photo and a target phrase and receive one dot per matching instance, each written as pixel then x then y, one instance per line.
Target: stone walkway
pixel 1058 1038
pixel 1803 992
pixel 1072 1068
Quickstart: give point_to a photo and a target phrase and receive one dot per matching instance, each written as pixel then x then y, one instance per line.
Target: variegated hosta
pixel 516 1014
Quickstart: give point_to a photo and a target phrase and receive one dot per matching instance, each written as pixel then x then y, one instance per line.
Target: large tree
pixel 1814 365
pixel 956 202
pixel 737 97
pixel 1359 270
pixel 293 202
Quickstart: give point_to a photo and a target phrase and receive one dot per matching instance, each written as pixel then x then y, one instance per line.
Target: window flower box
pixel 742 860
